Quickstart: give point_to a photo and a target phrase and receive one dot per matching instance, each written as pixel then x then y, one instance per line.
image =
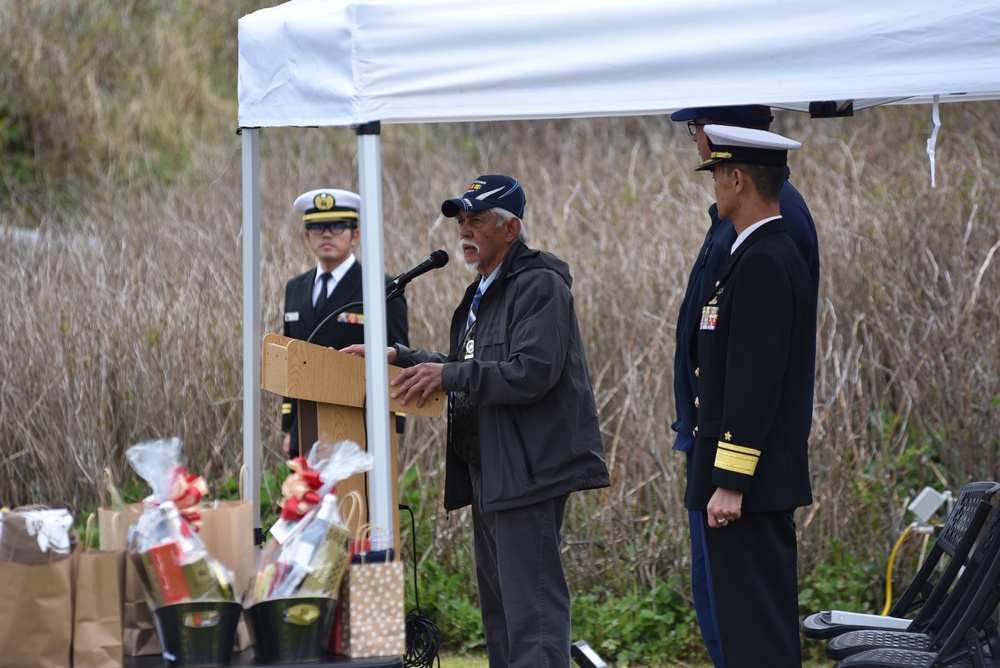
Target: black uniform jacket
pixel 752 350
pixel 346 329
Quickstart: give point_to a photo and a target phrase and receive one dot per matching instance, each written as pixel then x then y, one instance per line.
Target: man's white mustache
pixel 468 243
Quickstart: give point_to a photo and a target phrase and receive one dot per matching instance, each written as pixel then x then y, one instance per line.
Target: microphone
pixel 437 259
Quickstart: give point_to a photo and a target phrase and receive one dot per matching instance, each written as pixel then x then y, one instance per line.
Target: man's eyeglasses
pixel 693 127
pixel 317 229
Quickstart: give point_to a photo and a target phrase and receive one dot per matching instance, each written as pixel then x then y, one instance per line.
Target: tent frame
pixel 373 286
pixel 359 63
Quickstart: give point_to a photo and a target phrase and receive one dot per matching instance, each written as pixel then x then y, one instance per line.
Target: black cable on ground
pixel 423 637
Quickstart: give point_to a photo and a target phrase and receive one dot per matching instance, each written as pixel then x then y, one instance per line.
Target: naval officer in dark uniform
pixel 331 231
pixel 752 349
pixel 715 250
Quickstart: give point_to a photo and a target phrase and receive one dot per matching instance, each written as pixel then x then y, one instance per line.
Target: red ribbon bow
pixel 299 490
pixel 186 491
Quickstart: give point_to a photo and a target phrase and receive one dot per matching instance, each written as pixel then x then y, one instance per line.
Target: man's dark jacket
pixel 539 435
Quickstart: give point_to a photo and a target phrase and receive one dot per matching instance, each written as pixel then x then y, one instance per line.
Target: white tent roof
pixel 329 62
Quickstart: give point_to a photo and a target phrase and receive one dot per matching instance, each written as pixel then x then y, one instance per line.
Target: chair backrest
pixel 976 596
pixel 955 540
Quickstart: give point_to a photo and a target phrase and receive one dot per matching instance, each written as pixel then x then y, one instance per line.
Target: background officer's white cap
pixel 328 204
pixel 746 146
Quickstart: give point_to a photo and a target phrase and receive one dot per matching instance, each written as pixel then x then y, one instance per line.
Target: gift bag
pixel 227 531
pixel 374 620
pixel 350 507
pixel 97 618
pixel 138 626
pixel 36 600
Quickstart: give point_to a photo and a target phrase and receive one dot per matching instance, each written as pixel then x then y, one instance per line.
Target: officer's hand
pixel 418 381
pixel 724 508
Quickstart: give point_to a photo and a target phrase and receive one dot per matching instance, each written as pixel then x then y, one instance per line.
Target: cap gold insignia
pixel 324 201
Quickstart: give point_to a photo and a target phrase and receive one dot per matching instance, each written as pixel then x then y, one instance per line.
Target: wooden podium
pixel 330 388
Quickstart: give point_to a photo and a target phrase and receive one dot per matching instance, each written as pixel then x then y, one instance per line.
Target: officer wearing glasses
pixel 331 231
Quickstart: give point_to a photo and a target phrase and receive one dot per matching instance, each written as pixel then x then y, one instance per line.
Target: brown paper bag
pixel 374 618
pixel 138 626
pixel 227 532
pixel 97 620
pixel 36 613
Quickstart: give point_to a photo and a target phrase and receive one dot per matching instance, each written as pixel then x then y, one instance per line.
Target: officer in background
pixel 331 231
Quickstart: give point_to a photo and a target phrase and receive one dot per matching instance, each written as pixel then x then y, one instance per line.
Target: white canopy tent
pixel 358 64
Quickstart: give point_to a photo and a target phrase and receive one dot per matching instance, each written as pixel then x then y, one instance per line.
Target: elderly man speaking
pixel 522 421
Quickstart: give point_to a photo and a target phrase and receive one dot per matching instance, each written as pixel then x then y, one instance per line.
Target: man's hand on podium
pixel 419 381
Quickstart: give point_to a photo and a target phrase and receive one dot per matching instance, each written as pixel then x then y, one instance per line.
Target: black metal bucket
pixel 292 630
pixel 198 634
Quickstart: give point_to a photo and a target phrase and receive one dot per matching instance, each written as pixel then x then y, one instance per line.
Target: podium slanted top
pixel 301 370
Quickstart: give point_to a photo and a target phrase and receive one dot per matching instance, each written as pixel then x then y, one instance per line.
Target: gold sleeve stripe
pixel 286 409
pixel 736 458
pixel 739 448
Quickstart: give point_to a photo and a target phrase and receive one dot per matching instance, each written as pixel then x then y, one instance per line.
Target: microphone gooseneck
pixel 393 289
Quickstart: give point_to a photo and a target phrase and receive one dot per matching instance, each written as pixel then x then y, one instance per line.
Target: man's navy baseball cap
pixel 745 115
pixel 486 192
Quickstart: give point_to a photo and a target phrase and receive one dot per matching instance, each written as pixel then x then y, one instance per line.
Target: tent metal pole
pixel 376 365
pixel 251 326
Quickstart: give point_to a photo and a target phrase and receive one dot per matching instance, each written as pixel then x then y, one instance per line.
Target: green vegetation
pixel 120 174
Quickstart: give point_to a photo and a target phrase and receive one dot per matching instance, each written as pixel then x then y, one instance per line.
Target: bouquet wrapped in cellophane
pixel 307 555
pixel 171 560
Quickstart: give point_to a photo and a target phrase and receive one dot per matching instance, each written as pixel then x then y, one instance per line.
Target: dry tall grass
pixel 122 313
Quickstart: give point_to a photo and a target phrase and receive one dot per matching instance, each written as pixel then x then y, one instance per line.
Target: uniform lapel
pixel 348 289
pixel 303 296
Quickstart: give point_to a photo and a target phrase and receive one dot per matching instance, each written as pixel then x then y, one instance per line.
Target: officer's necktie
pixel 472 312
pixel 321 299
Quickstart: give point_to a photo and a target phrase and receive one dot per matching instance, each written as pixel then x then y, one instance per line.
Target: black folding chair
pixel 923 597
pixel 968 634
